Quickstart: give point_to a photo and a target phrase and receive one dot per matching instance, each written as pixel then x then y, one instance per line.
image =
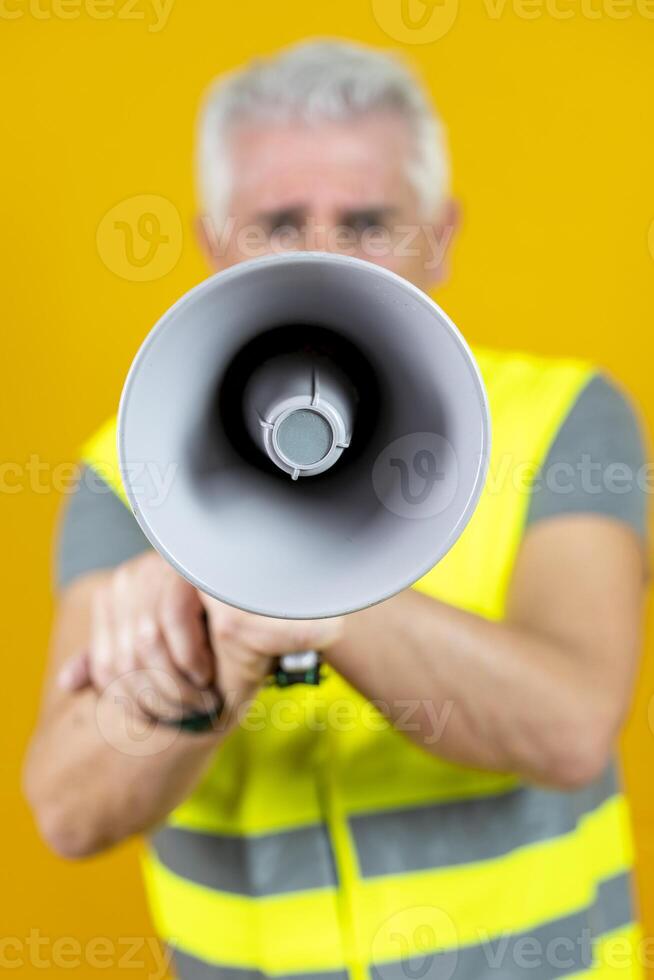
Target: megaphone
pixel 321 430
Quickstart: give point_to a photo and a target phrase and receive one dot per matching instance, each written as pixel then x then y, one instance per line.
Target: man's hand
pixel 169 650
pixel 148 640
pixel 245 644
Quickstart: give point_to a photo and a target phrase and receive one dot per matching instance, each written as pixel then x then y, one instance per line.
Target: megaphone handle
pixel 297 668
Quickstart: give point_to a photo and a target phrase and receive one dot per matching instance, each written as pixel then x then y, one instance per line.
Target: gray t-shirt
pixel 594 466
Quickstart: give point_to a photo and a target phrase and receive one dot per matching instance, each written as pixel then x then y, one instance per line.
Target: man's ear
pixel 209 239
pixel 440 236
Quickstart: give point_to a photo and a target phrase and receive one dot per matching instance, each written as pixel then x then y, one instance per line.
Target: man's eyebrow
pixel 277 217
pixel 374 213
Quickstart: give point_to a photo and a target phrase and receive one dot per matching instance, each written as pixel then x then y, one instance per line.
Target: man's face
pixel 332 186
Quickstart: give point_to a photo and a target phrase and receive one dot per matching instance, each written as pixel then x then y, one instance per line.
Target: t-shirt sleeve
pixel 597 462
pixel 96 531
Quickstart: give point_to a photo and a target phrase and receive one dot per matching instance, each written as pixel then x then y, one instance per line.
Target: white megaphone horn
pixel 321 428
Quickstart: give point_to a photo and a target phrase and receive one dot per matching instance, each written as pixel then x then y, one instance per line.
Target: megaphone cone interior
pixel 322 368
pixel 299 407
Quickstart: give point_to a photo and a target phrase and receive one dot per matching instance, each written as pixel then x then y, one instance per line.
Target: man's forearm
pixel 481 693
pixel 94 777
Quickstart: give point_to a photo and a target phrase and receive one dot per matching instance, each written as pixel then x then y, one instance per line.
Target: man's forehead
pixel 344 160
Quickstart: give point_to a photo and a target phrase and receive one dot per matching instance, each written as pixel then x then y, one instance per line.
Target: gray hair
pixel 314 80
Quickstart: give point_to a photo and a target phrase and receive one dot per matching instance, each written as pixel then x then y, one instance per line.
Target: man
pixel 444 803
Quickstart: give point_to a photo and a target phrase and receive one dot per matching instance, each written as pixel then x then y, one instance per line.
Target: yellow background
pixel 551 123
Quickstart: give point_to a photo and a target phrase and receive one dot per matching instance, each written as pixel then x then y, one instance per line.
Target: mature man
pixel 468 823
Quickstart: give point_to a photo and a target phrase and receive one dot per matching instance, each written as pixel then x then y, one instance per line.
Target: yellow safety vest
pixel 323 843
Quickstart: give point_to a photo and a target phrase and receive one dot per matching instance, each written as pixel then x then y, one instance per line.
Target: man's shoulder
pixel 102 440
pixel 522 366
pixel 599 392
pixel 596 463
pixel 100 451
pixel 529 396
pixel 97 530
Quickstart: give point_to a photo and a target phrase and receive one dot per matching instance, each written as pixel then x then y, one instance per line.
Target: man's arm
pixel 133 647
pixel 541 694
pixel 84 776
pixel 136 647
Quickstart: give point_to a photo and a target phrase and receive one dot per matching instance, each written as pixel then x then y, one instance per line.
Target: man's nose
pixel 317 237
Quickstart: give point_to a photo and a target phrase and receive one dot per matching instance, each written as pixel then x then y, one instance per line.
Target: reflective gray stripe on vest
pixel 392 842
pixel 445 834
pixel 190 968
pixel 270 864
pixel 556 949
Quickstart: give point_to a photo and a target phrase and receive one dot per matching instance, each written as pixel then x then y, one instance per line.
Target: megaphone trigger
pixel 297 668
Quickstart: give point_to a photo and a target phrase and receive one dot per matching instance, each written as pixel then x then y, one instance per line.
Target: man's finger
pixel 75 673
pixel 183 626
